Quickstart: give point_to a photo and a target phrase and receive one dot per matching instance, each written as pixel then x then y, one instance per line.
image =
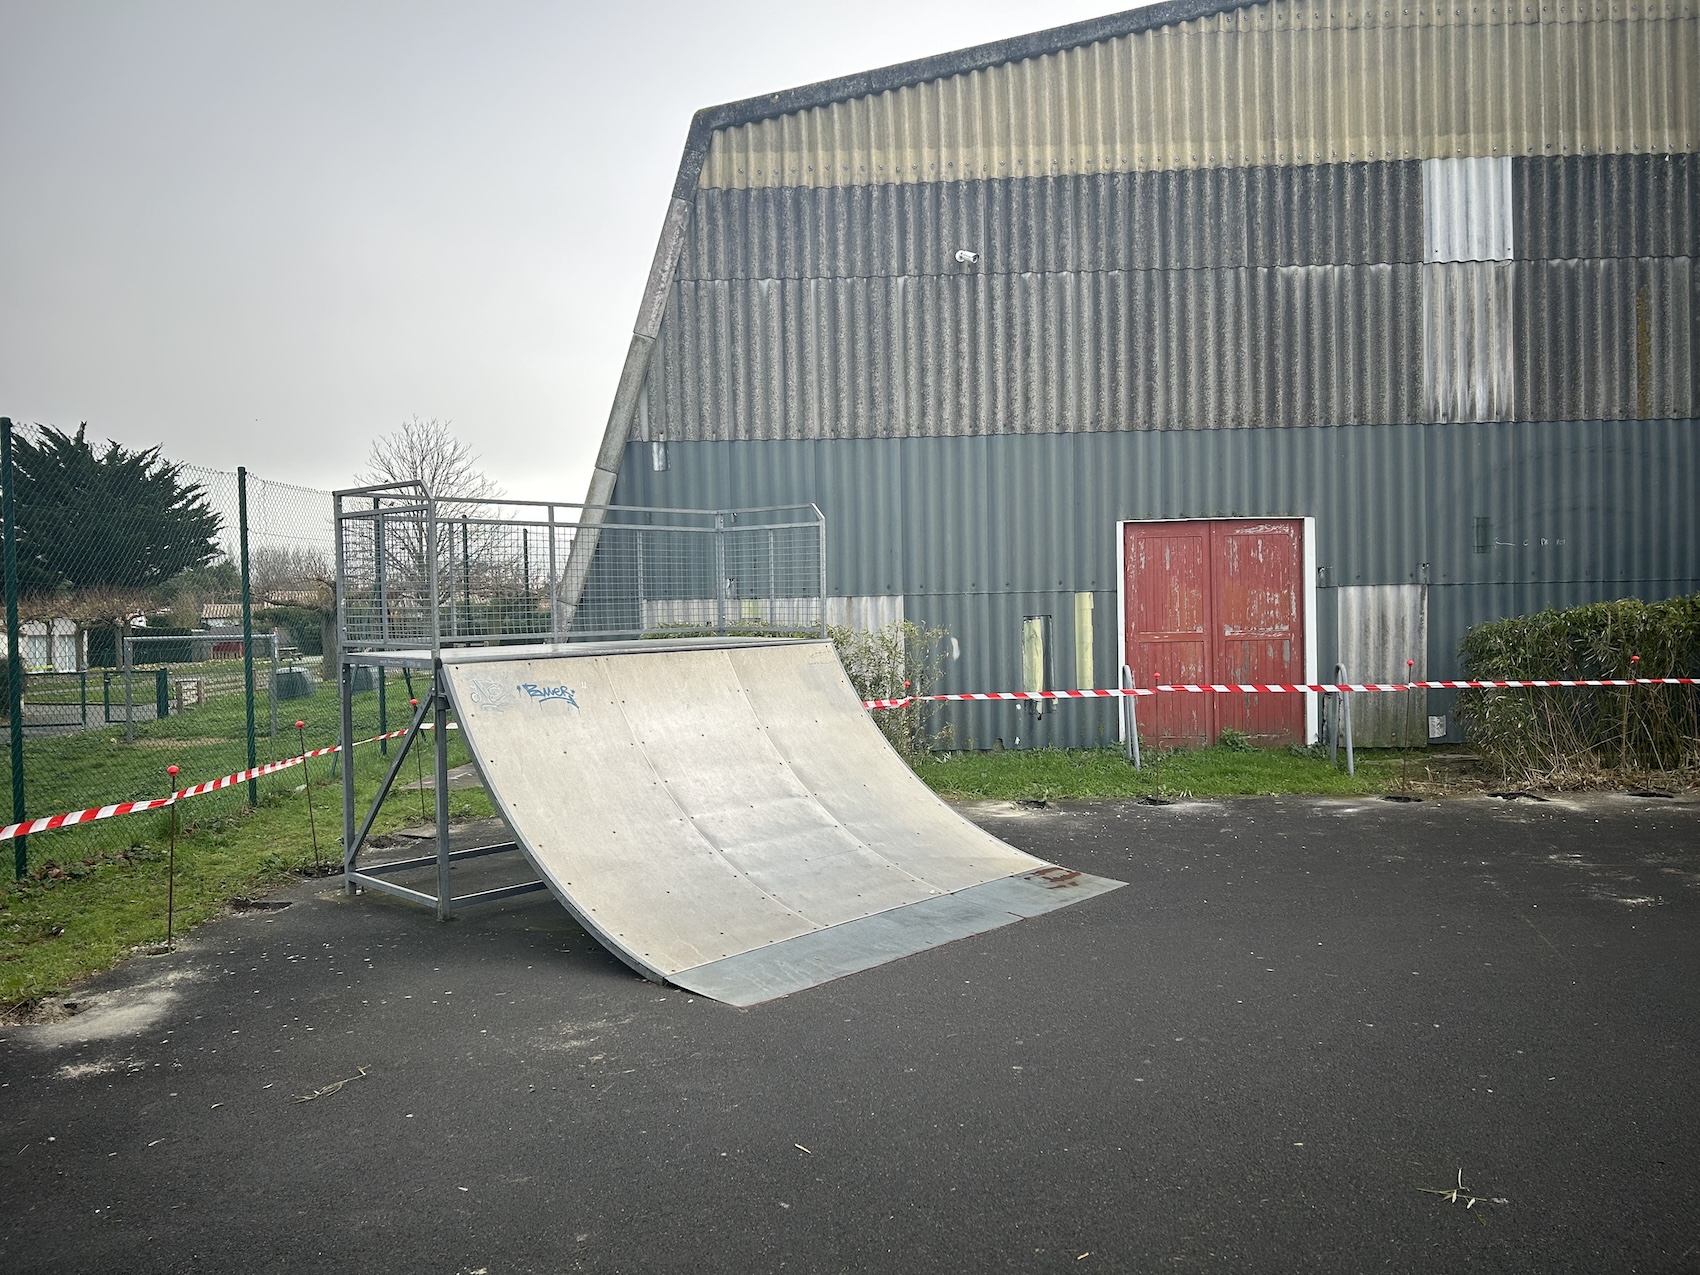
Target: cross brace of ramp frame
pixel 435 706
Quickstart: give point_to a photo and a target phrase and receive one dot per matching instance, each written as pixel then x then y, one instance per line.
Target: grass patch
pixel 1046 774
pixel 85 907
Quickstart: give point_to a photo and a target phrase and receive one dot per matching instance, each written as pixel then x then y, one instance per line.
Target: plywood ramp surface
pixel 729 818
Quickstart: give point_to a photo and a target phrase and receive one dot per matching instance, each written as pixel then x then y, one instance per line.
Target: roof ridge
pixel 937 66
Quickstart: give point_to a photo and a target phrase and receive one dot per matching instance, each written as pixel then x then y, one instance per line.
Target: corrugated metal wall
pixel 1367 293
pixel 1285 346
pixel 976 533
pixel 1281 83
pixel 1426 275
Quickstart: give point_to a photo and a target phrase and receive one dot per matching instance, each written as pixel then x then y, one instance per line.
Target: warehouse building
pixel 1222 341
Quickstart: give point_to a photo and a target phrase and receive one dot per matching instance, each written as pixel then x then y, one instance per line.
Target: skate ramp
pixel 727 817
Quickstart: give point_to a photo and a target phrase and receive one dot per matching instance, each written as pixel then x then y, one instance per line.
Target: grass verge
pixel 1048 774
pixel 86 908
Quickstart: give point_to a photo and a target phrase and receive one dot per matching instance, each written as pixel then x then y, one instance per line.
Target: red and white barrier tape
pixel 96 813
pixel 1279 688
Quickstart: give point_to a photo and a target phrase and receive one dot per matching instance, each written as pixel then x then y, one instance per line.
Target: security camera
pixel 966 256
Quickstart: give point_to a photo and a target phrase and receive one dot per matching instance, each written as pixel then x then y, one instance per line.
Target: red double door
pixel 1216 601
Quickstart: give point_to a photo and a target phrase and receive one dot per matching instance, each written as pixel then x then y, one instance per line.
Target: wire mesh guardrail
pixel 420 573
pixel 131 653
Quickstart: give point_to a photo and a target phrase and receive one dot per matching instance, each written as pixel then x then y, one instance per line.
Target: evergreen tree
pixel 114 519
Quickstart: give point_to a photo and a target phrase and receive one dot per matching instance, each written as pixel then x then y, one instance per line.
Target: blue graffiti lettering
pixel 546 693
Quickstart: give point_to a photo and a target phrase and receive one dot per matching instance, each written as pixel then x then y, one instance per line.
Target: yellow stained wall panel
pixel 1279 83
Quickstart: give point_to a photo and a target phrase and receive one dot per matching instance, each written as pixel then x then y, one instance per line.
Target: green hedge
pixel 1569 735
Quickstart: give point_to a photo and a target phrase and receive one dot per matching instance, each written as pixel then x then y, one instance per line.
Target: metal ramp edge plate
pixel 823 955
pixel 693 804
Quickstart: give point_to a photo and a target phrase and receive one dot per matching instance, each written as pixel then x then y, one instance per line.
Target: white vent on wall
pixel 1467 290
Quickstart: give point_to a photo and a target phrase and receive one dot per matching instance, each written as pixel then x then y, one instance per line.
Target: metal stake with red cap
pixel 171 862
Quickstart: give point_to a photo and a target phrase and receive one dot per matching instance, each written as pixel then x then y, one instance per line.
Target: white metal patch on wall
pixel 1467 289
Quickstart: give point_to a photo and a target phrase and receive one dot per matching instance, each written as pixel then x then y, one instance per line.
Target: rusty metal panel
pixel 1279 83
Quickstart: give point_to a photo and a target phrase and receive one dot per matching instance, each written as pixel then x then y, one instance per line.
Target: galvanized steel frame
pixel 384 651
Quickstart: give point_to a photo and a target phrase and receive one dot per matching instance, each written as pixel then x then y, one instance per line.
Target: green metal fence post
pixel 247 627
pixel 14 648
pixel 161 693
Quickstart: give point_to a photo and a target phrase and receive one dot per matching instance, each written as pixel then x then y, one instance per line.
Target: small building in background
pixel 1220 341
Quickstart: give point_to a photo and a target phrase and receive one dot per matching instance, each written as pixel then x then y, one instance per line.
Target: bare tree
pixel 425 451
pixel 281 573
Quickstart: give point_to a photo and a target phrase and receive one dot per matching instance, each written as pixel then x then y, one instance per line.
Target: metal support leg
pixel 440 720
pixel 345 694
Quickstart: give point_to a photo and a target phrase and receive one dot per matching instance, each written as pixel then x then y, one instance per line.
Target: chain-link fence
pixel 418 572
pixel 167 615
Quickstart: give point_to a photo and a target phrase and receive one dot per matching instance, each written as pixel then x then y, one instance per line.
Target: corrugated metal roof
pixel 1279 83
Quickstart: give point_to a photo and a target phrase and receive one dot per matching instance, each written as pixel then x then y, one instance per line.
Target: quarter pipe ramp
pixel 726 817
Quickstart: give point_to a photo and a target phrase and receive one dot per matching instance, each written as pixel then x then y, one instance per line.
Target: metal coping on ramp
pixel 726 817
pixel 821 956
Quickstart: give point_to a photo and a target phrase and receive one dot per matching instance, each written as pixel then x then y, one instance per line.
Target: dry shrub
pixel 1569 737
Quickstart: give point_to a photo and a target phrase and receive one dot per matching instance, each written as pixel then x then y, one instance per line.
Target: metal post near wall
pixel 14 648
pixel 1130 717
pixel 1344 725
pixel 247 626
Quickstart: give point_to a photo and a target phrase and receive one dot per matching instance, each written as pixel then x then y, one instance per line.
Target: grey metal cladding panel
pixel 1609 339
pixel 1606 206
pixel 1036 514
pixel 977 532
pixel 1324 214
pixel 1039 353
pixel 1603 502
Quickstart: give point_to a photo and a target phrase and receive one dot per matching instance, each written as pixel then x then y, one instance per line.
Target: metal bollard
pixel 1130 718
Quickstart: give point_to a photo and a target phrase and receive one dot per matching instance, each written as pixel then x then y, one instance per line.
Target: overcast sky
pixel 264 234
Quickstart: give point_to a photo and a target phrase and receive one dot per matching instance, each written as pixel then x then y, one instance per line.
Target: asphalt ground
pixel 1301 1020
